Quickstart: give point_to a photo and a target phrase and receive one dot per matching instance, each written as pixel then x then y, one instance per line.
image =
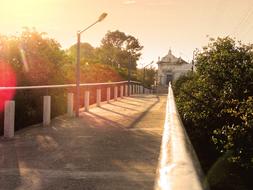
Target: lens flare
pixel 7 79
pixel 24 60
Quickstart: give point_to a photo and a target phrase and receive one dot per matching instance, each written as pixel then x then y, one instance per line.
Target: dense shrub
pixel 216 101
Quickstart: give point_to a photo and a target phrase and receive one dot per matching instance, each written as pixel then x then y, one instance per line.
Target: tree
pixel 87 53
pixel 150 74
pixel 118 49
pixel 35 60
pixel 216 101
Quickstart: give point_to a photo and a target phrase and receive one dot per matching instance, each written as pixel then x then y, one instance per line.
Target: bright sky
pixel 181 25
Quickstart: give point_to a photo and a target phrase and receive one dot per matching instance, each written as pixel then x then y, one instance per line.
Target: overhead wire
pixel 243 21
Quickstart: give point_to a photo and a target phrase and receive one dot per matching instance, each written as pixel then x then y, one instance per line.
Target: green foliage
pixel 118 49
pixel 99 73
pixel 216 101
pixel 39 60
pixel 150 74
pixel 87 53
pixel 36 60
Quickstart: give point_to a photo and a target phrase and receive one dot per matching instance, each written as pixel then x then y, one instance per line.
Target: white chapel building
pixel 171 68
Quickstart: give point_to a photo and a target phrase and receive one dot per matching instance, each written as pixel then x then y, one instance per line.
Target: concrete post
pixel 70 110
pixel 46 110
pixel 9 118
pixel 126 90
pixel 108 94
pixel 121 91
pixel 138 89
pixel 115 93
pixel 130 90
pixel 98 97
pixel 86 100
pixel 141 89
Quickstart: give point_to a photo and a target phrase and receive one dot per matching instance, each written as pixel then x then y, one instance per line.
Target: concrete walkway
pixel 114 147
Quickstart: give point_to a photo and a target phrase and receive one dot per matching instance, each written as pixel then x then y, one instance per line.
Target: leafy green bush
pixel 216 102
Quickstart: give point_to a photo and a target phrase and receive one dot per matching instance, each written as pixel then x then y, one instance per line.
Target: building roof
pixel 171 59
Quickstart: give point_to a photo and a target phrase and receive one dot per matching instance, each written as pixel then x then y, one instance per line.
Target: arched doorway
pixel 169 78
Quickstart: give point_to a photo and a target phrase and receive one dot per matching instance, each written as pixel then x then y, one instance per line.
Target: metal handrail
pixel 178 166
pixel 63 85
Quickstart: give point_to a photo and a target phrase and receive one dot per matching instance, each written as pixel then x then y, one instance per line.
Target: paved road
pixel 114 147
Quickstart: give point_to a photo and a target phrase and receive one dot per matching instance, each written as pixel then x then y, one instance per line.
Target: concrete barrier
pixel 108 94
pixel 115 93
pixel 142 90
pixel 9 119
pixel 86 100
pixel 70 105
pixel 121 91
pixel 98 97
pixel 178 166
pixel 9 115
pixel 126 90
pixel 46 110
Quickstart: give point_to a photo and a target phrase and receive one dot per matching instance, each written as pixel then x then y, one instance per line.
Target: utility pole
pixel 129 75
pixel 145 73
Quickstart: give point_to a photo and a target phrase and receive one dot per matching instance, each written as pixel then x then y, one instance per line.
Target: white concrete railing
pixel 178 166
pixel 9 111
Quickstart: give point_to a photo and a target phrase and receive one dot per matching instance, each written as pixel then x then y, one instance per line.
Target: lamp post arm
pixel 81 31
pixel 148 64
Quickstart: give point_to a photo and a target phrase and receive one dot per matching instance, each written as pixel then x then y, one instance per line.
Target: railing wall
pixel 90 93
pixel 178 166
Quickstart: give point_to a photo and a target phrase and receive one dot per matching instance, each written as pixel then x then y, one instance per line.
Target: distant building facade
pixel 171 68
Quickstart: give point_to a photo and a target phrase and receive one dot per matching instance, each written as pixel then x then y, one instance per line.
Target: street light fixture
pixel 101 17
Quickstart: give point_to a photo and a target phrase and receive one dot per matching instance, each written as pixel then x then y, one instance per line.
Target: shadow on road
pixel 98 151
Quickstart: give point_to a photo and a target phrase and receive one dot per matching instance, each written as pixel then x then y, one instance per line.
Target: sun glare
pixel 25 12
pixel 7 79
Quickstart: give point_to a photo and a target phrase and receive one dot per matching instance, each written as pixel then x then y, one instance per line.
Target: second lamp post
pixel 102 17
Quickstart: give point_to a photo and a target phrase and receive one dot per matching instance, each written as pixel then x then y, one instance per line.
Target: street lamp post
pixel 102 17
pixel 145 73
pixel 129 75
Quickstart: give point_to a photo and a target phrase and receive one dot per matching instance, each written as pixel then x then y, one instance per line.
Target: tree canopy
pixel 217 100
pixel 87 53
pixel 118 49
pixel 35 58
